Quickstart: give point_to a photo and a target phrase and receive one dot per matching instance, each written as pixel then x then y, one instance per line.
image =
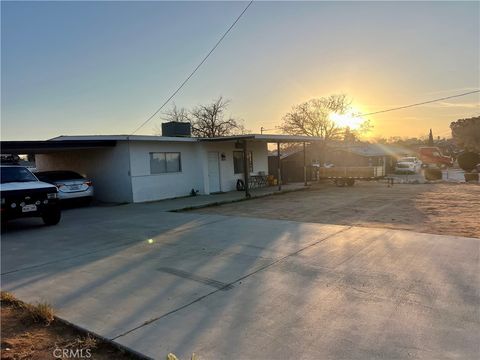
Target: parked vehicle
pixel 431 155
pixel 70 184
pixel 347 175
pixel 23 195
pixel 410 165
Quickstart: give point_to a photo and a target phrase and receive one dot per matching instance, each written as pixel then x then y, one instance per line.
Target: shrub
pixel 433 174
pixel 41 312
pixel 468 160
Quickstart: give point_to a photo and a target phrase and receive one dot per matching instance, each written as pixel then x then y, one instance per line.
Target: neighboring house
pixel 292 165
pixel 367 155
pixel 338 154
pixel 147 168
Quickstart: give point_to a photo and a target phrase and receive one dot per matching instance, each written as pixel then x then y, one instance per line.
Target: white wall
pixel 122 173
pixel 149 187
pixel 108 168
pixel 228 180
pixel 194 174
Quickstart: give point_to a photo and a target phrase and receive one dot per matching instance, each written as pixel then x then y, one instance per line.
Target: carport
pixel 242 141
pixel 89 157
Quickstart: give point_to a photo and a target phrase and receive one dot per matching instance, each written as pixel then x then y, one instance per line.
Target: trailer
pixel 347 175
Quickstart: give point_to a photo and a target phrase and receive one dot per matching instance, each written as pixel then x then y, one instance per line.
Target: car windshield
pixel 407 159
pixel 58 175
pixel 16 174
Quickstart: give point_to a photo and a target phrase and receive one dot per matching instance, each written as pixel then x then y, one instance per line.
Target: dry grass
pixel 41 312
pixel 32 332
pixel 171 356
pixel 8 299
pixel 80 342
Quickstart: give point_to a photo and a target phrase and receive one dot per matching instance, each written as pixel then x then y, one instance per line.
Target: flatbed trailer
pixel 347 175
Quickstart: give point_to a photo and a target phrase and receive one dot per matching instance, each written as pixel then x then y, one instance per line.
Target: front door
pixel 213 172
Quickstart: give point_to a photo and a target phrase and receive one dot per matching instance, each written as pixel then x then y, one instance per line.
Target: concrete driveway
pixel 243 288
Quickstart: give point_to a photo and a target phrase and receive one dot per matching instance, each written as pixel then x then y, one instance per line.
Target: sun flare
pixel 347 120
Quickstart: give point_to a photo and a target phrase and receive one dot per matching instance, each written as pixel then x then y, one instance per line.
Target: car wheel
pixel 52 217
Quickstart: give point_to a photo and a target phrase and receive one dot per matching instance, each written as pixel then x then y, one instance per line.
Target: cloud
pixel 452 105
pixel 459 105
pixel 452 91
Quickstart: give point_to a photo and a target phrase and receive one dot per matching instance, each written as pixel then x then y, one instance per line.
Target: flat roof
pixel 123 138
pixel 267 138
pixel 254 137
pixel 42 146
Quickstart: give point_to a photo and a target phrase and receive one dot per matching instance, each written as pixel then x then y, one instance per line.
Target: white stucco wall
pixel 194 174
pixel 108 168
pixel 228 180
pixel 122 173
pixel 149 187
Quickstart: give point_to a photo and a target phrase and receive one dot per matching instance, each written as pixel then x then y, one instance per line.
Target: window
pixel 165 162
pixel 16 174
pixel 238 162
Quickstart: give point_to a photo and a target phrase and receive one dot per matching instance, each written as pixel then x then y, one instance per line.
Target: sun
pixel 347 120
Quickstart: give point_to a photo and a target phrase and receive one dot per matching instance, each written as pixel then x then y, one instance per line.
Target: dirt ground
pixel 441 208
pixel 23 338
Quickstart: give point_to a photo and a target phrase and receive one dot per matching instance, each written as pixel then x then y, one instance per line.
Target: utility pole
pixel 279 167
pixel 262 129
pixel 246 169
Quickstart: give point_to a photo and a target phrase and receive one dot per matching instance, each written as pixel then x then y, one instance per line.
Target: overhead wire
pixel 418 104
pixel 194 70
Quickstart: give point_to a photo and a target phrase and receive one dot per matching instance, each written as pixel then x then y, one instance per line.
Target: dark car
pixel 23 195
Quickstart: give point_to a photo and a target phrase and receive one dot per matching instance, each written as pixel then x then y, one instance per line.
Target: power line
pixel 421 103
pixel 194 71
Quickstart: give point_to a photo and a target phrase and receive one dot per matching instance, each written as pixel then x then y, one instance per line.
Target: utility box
pixel 176 129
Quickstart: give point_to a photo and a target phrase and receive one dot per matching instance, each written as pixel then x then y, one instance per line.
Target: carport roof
pixel 27 147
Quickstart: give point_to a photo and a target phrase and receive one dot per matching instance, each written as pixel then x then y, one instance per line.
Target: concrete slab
pixel 243 288
pixel 359 294
pixel 200 201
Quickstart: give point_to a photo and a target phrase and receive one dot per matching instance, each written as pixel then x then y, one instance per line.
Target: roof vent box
pixel 176 129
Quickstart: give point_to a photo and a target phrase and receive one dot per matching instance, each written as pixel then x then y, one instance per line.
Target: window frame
pixel 250 162
pixel 151 153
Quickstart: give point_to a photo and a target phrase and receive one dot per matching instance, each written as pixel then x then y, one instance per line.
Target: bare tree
pixel 174 114
pixel 177 114
pixel 312 118
pixel 210 120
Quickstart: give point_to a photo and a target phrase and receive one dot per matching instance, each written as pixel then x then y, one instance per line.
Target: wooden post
pixel 246 169
pixel 279 172
pixel 304 165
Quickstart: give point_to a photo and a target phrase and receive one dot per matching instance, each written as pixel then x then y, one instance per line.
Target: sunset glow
pixel 347 120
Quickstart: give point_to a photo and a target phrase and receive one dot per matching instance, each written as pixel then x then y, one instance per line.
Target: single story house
pixel 126 168
pixel 338 154
pixel 365 154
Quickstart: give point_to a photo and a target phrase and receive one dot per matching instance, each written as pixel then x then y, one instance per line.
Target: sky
pixel 77 68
